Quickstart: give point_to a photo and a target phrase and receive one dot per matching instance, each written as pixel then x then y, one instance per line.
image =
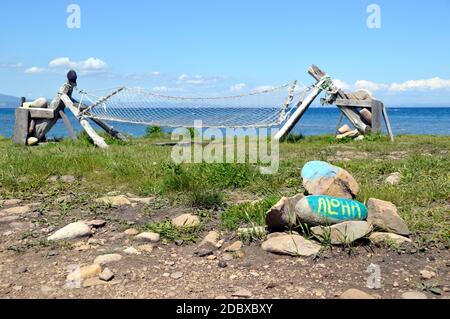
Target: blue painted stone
pixel 321 178
pixel 320 210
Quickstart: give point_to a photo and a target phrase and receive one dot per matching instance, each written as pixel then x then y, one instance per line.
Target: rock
pixel 359 138
pixel 19 210
pixel 131 251
pixel 210 240
pixel 85 272
pixel 326 210
pixel 394 179
pixel 71 231
pixel 176 275
pixel 355 294
pixel 92 282
pixel 343 233
pixel 344 129
pixel 8 219
pixel 186 220
pixel 242 293
pixel 222 263
pixel 68 179
pixel 353 133
pixel 204 252
pixel 227 257
pixel 237 245
pixel 96 223
pixel 294 245
pixel 107 259
pixel 366 116
pixel 114 201
pixel 282 214
pixel 131 232
pixel 386 238
pixel 148 237
pixel 31 141
pixel 414 295
pixel 10 202
pixel 22 269
pixel 252 232
pixel 145 201
pixel 321 178
pixel 148 248
pixel 384 215
pixel 426 274
pixel 106 275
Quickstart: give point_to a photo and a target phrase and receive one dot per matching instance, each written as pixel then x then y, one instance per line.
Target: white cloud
pixel 161 88
pixel 183 77
pixel 238 87
pixel 12 65
pixel 91 65
pixel 369 85
pixel 435 83
pixel 34 70
pixel 156 73
pixel 341 84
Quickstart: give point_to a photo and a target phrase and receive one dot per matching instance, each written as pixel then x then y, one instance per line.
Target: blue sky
pixel 228 46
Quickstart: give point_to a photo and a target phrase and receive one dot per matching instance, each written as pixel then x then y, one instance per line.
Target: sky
pixel 399 50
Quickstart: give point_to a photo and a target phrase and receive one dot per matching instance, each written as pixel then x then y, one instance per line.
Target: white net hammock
pixel 265 108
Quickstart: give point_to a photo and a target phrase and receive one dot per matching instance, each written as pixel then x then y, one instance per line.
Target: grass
pixel 142 168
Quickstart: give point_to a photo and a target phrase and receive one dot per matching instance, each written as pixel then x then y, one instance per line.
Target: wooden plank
pixel 109 129
pixel 301 109
pixel 388 124
pixel 377 109
pixel 350 113
pixel 97 139
pixel 38 113
pixel 338 125
pixel 68 125
pixel 21 126
pixel 353 103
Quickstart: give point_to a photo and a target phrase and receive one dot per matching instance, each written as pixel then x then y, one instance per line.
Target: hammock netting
pixel 265 108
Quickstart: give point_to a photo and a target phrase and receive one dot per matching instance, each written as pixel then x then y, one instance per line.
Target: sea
pixel 316 121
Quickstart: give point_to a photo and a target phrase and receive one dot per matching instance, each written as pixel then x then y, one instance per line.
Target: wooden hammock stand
pixel 351 108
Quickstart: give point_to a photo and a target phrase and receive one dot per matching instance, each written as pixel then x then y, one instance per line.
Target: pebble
pixel 414 295
pixel 22 269
pixel 186 220
pixel 227 257
pixel 203 252
pixel 234 247
pixel 148 237
pixel 131 251
pixel 355 294
pixel 148 248
pixel 71 231
pixel 242 293
pixel 131 232
pixel 176 275
pixel 426 274
pixel 106 275
pixel 107 259
pixel 222 263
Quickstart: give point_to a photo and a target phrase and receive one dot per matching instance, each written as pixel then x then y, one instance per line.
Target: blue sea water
pixel 316 121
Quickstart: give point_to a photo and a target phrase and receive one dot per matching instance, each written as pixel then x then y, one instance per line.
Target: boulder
pixel 343 233
pixel 282 214
pixel 386 238
pixel 384 215
pixel 114 201
pixel 186 220
pixel 148 237
pixel 355 294
pixel 327 210
pixel 71 231
pixel 322 178
pixel 293 245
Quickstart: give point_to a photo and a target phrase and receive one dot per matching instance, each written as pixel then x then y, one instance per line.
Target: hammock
pixel 265 108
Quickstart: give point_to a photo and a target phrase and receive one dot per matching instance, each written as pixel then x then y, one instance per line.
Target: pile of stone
pixel 332 214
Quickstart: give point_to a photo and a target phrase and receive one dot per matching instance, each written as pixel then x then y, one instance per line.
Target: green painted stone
pixel 322 210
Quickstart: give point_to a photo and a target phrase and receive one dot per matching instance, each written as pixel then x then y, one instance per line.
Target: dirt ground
pixel 32 268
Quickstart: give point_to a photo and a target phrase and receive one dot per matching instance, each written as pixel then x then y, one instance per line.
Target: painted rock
pixel 322 178
pixel 327 210
pixel 282 214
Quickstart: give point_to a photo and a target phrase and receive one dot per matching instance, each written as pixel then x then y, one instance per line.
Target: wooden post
pixel 377 109
pixel 289 125
pixel 68 125
pixel 97 139
pixel 388 124
pixel 338 125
